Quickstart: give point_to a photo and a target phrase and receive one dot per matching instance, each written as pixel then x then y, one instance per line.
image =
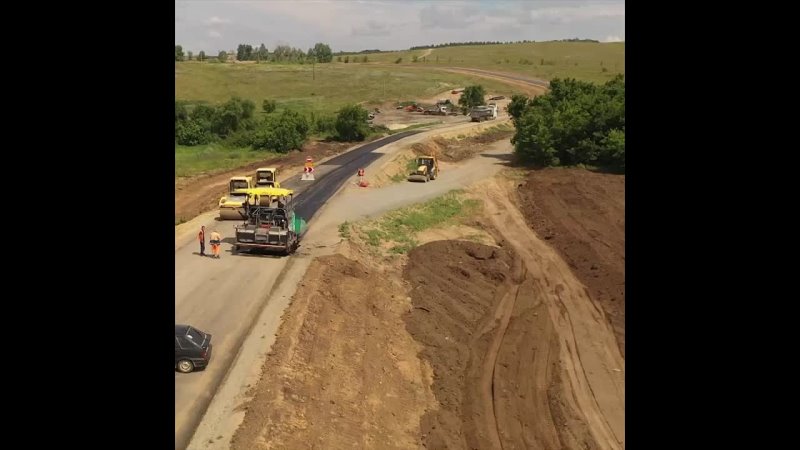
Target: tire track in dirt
pixel 495 327
pixel 506 305
pixel 590 362
pixel 581 214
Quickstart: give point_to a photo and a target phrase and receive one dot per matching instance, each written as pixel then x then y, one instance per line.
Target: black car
pixel 192 348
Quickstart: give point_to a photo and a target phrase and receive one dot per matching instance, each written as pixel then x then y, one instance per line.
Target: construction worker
pixel 215 241
pixel 202 238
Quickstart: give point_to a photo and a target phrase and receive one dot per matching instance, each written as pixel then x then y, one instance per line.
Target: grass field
pixel 213 157
pixel 326 90
pixel 326 87
pixel 547 60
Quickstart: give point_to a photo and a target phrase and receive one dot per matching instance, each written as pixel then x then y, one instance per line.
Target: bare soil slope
pixel 582 215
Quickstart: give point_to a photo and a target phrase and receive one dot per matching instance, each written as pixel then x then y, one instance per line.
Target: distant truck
pixel 437 110
pixel 481 113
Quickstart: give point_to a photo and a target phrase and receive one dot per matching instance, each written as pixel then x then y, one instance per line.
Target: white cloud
pixel 454 17
pixel 391 24
pixel 570 14
pixel 371 28
pixel 215 20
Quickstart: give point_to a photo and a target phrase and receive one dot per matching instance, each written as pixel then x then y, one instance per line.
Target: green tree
pixel 613 152
pixel 180 111
pixel 517 106
pixel 351 123
pixel 232 115
pixel 204 115
pixel 189 132
pixel 244 52
pixel 282 133
pixel 346 59
pixel 268 105
pixel 178 53
pixel 323 52
pixel 576 122
pixel 222 56
pixel 472 96
pixel 201 56
pixel 189 56
pixel 263 53
pixel 339 59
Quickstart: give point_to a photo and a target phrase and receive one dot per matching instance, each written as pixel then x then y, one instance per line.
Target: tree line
pixel 457 44
pixel 234 123
pixel 576 122
pixel 282 53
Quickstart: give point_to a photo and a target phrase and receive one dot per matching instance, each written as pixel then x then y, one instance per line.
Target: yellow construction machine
pixel 427 169
pixel 267 177
pixel 242 190
pixel 231 207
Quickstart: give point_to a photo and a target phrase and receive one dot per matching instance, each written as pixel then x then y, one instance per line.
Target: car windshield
pixel 195 335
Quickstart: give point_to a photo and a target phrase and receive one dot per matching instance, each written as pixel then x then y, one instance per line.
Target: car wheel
pixel 185 366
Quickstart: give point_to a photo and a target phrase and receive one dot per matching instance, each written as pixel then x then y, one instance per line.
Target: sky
pixel 353 25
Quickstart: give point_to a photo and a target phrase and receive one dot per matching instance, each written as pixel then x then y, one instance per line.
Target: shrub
pixel 472 96
pixel 351 123
pixel 269 105
pixel 283 133
pixel 190 132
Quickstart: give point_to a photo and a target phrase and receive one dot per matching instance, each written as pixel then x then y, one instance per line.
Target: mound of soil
pixel 582 215
pixel 455 150
pixel 493 350
pixel 343 372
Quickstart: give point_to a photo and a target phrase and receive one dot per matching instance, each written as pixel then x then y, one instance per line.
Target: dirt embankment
pixel 456 150
pixel 198 194
pixel 582 215
pixel 455 354
pixel 458 344
pixel 466 315
pixel 343 373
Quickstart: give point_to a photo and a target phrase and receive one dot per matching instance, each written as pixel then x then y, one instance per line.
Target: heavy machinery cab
pixel 267 177
pixel 427 169
pixel 425 161
pixel 271 227
pixel 237 183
